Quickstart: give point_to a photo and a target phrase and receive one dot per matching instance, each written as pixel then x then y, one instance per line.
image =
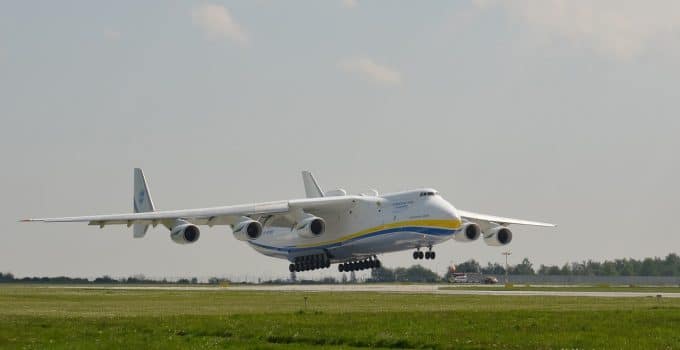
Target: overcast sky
pixel 555 110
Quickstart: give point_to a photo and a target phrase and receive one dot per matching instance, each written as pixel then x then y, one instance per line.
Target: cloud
pixel 371 70
pixel 111 34
pixel 620 28
pixel 216 22
pixel 349 4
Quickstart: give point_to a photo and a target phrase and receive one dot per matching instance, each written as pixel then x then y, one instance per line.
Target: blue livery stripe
pixel 418 229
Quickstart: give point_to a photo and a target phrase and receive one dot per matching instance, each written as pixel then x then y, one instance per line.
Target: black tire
pixel 432 255
pixel 378 264
pixel 291 267
pixel 415 255
pixel 420 255
pixel 341 267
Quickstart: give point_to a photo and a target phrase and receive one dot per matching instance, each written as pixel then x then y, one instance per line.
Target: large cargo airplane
pixel 324 228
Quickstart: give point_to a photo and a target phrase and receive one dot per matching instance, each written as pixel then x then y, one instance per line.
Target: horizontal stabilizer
pixel 312 189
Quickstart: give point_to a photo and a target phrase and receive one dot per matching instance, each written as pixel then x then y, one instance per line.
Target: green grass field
pixel 60 318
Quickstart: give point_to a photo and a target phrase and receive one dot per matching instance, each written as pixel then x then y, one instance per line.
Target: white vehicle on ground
pixel 324 228
pixel 460 278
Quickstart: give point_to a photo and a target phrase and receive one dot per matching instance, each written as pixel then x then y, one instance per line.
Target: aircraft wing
pixel 489 220
pixel 213 216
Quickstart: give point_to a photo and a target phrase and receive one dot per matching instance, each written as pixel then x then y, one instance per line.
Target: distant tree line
pixel 137 279
pixel 415 273
pixel 668 266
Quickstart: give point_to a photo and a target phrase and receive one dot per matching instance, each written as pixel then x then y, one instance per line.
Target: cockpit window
pixel 428 193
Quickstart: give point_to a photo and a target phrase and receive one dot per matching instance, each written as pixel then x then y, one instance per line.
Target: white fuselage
pixel 374 225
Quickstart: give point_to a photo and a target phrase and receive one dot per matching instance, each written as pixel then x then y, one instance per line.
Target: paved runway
pixel 396 288
pixel 436 289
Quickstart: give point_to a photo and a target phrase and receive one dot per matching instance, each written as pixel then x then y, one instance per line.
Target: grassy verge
pixel 112 319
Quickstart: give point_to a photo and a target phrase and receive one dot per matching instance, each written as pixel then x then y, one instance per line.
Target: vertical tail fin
pixel 142 202
pixel 312 189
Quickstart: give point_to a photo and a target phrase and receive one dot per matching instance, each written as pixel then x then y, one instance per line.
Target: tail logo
pixel 140 197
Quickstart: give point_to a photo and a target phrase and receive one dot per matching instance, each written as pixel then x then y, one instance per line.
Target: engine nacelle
pixel 184 233
pixel 469 232
pixel 311 226
pixel 247 230
pixel 498 236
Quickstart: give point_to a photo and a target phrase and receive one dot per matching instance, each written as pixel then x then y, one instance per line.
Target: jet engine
pixel 311 226
pixel 469 232
pixel 184 232
pixel 247 230
pixel 498 236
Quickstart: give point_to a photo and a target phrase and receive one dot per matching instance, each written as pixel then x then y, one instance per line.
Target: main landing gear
pixel 370 263
pixel 427 255
pixel 310 262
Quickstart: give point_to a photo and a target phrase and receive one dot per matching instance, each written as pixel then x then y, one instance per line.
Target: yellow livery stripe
pixel 447 224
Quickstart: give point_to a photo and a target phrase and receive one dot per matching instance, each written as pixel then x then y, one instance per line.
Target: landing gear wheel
pixel 377 264
pixel 432 255
pixel 415 255
pixel 341 267
pixel 420 255
pixel 291 267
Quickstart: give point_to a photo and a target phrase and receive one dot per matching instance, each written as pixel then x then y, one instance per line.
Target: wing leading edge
pixel 470 216
pixel 227 215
